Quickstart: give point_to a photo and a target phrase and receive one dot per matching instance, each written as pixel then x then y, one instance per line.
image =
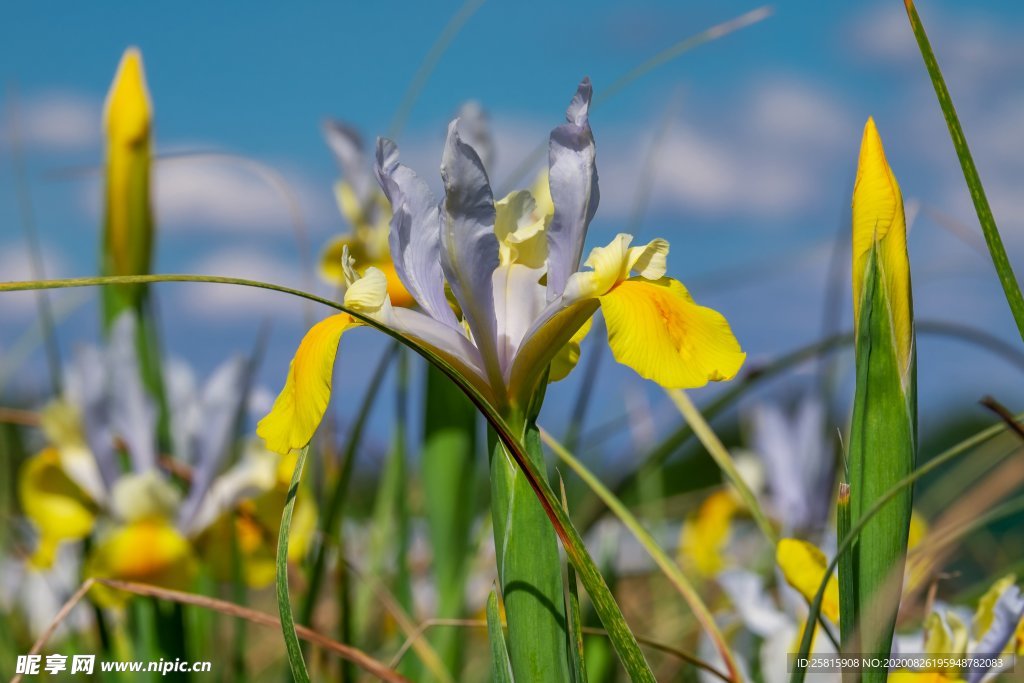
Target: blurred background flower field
pixel 216 141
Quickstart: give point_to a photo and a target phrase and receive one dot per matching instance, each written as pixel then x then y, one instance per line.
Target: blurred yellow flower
pixel 58 508
pixel 803 565
pixel 705 533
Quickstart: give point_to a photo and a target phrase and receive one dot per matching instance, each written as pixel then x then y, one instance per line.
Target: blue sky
pixel 752 171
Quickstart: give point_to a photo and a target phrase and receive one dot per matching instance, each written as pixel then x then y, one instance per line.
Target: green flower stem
pixel 529 568
pixel 1011 288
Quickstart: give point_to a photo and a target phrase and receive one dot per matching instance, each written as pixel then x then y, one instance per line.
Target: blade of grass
pixel 578 667
pixel 626 645
pixel 846 542
pixel 1011 288
pixel 47 320
pixel 664 562
pixel 284 604
pixel 723 459
pixel 501 666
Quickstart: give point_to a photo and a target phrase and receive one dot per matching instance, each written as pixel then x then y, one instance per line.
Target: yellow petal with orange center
pixel 150 551
pixel 656 328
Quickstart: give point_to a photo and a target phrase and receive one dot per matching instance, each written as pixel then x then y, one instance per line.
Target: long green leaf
pixel 626 645
pixel 883 448
pixel 501 665
pixel 284 602
pixel 448 470
pixel 1011 288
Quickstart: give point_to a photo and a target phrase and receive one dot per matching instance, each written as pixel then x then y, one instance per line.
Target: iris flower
pixel 144 527
pixel 996 630
pixel 520 294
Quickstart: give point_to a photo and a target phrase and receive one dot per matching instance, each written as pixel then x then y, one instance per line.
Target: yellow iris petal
pixel 656 328
pixel 149 551
pixel 300 406
pixel 878 219
pixel 569 355
pixel 57 506
pixel 804 565
pixel 705 533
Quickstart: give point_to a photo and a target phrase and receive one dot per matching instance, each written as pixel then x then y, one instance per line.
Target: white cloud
pixel 763 158
pixel 229 195
pixel 58 121
pixel 219 302
pixel 969 47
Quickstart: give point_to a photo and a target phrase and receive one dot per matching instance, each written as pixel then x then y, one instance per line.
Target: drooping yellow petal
pixel 878 218
pixel 300 406
pixel 705 533
pixel 151 551
pixel 56 505
pixel 658 330
pixel 569 355
pixel 803 566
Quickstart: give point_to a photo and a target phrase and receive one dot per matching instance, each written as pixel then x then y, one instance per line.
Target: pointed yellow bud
pixel 127 114
pixel 878 220
pixel 128 218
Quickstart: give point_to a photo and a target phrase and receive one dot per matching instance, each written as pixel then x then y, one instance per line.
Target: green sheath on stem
pixel 529 568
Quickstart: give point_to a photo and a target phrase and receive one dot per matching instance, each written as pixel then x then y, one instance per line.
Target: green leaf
pixel 284 603
pixel 529 568
pixel 577 659
pixel 501 666
pixel 1011 288
pixel 847 577
pixel 883 447
pixel 449 478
